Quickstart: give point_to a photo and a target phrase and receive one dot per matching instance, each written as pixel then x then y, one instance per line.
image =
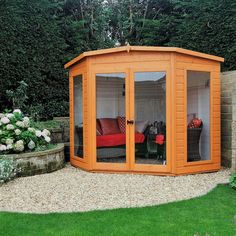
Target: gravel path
pixel 72 189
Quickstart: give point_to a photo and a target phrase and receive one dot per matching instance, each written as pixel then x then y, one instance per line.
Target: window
pixel 110 120
pixel 198 115
pixel 78 116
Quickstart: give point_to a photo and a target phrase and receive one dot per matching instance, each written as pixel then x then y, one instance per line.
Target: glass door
pixel 110 119
pixel 150 119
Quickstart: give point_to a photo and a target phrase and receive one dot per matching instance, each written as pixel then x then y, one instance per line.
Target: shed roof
pixel 129 48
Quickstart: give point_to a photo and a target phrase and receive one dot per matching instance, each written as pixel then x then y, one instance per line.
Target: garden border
pixel 40 162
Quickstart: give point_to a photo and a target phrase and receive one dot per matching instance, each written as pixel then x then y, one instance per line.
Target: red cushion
pixel 139 138
pixel 117 139
pixel 99 129
pixel 121 123
pixel 195 123
pixel 109 126
pixel 160 139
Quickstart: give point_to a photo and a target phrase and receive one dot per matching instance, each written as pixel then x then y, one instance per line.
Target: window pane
pixel 78 116
pixel 110 122
pixel 198 115
pixel 150 118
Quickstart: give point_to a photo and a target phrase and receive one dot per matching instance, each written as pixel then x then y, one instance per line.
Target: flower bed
pixel 28 146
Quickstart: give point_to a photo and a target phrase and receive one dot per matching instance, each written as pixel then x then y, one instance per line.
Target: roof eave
pixel 142 48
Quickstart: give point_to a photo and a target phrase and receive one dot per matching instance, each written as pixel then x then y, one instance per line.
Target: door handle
pixel 130 122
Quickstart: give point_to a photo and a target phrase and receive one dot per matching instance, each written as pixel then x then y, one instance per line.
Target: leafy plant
pixel 232 180
pixel 8 169
pixel 19 95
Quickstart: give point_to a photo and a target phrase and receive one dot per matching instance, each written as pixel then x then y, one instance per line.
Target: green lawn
pixel 213 214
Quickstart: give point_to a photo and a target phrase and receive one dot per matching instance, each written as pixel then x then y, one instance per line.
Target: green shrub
pixel 8 169
pixel 232 180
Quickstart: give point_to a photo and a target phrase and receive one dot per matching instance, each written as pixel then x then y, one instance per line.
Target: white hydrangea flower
pixel 5 120
pixel 10 115
pixel 45 133
pixel 26 124
pixel 17 132
pixel 47 139
pixel 1 115
pixel 31 144
pixel 26 119
pixel 3 147
pixel 38 133
pixel 10 127
pixel 19 146
pixel 17 111
pixel 20 124
pixel 32 130
pixel 9 146
pixel 9 141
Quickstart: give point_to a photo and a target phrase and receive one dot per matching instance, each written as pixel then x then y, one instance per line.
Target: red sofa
pixel 111 132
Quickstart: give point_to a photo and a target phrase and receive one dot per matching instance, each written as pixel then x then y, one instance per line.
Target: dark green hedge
pixel 38 37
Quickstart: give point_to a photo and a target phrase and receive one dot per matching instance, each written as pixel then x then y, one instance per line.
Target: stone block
pixel 226 116
pixel 226 85
pixel 226 109
pixel 226 127
pixel 233 143
pixel 233 126
pixel 226 144
pixel 226 100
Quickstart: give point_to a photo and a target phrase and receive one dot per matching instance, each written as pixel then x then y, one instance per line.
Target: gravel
pixel 71 189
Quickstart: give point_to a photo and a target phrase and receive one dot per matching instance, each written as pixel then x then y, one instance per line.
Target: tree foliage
pixel 38 37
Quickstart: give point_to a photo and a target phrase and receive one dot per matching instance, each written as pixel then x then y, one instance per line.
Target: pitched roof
pixel 129 48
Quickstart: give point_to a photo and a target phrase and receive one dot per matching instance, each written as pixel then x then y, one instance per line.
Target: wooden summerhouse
pixel 152 110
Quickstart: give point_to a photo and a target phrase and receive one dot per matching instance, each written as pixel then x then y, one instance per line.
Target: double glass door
pixel 131 120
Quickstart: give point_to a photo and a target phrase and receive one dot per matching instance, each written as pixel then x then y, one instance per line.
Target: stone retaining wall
pixel 228 119
pixel 62 135
pixel 40 162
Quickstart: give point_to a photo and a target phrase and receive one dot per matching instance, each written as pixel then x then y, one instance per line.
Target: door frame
pixel 130 165
pixel 109 166
pixel 150 167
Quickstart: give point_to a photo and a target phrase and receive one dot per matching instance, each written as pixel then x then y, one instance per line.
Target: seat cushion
pixel 110 140
pixel 117 139
pixel 109 126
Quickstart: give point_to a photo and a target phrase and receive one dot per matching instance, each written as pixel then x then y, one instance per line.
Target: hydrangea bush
pixel 8 169
pixel 17 134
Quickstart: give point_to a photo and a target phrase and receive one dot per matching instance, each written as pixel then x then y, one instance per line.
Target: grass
pixel 212 214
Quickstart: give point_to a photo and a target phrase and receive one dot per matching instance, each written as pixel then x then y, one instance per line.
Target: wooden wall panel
pixel 79 69
pixel 184 63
